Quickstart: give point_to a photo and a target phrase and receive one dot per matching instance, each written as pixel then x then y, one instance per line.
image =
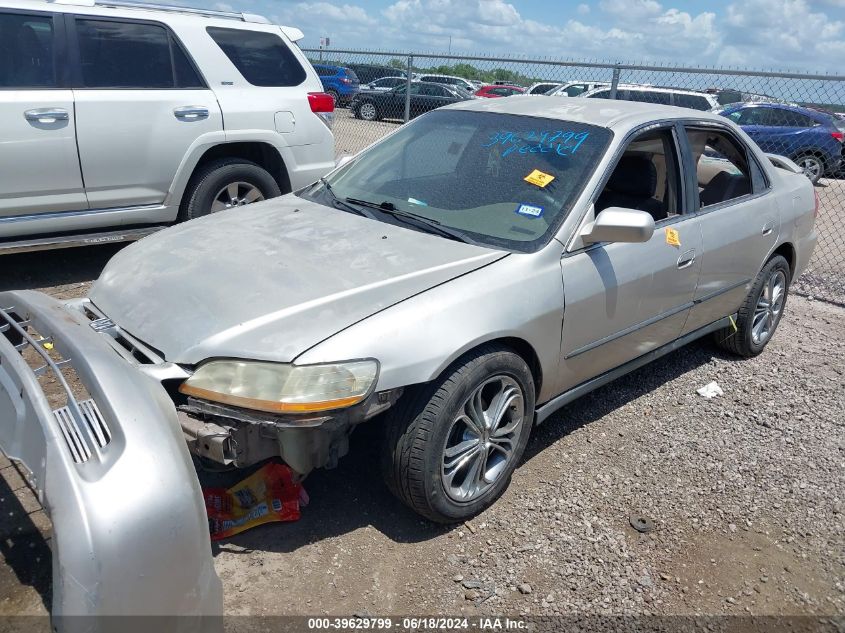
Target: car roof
pixel 601 112
pixel 655 89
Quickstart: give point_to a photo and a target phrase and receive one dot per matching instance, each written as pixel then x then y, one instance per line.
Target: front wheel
pixel 368 111
pixel 760 314
pixel 451 446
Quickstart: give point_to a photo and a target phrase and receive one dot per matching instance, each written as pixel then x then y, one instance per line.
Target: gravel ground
pixel 744 491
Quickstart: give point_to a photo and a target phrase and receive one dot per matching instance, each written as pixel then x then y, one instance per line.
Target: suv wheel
pixel 334 94
pixel 368 111
pixel 760 314
pixel 812 165
pixel 452 445
pixel 225 184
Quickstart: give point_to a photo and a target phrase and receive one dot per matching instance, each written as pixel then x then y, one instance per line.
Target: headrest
pixel 634 176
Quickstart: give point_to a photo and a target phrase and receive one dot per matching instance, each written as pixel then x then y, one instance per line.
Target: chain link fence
pixel 791 114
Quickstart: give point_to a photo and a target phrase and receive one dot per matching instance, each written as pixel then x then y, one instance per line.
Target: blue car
pixel 338 81
pixel 811 138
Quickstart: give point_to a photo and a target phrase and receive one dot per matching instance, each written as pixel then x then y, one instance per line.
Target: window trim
pixel 60 46
pixel 76 80
pixel 749 154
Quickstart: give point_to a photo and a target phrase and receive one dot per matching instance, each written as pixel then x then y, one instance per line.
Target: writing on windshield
pixel 560 142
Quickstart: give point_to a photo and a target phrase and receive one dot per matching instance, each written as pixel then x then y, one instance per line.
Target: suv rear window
pixel 132 55
pixel 262 58
pixel 691 101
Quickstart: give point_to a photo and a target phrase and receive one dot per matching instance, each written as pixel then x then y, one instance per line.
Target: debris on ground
pixel 711 390
pixel 269 494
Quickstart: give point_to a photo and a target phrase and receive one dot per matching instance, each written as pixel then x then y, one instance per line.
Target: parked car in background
pixel 450 80
pixel 341 83
pixel 659 96
pixel 425 96
pixel 575 88
pixel 496 91
pixel 367 73
pixel 542 88
pixel 116 121
pixel 477 83
pixel 385 83
pixel 811 138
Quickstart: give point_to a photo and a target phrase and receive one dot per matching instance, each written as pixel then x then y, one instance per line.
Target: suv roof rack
pixel 149 6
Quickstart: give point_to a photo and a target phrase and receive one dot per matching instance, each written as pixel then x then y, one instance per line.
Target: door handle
pixel 191 113
pixel 686 260
pixel 768 227
pixel 46 115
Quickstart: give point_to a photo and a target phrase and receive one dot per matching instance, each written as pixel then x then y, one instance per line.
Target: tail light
pixel 322 104
pixel 839 136
pixel 347 80
pixel 816 210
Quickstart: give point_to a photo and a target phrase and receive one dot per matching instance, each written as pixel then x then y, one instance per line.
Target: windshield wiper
pixel 420 221
pixel 340 204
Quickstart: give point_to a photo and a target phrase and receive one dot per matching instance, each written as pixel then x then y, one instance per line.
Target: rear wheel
pixel 813 166
pixel 225 184
pixel 760 314
pixel 334 94
pixel 451 446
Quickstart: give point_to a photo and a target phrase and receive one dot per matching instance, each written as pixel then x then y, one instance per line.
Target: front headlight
pixel 281 388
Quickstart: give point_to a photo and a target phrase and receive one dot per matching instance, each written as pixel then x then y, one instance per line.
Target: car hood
pixel 271 280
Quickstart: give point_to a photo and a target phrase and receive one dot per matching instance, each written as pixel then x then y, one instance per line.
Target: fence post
pixel 615 81
pixel 408 88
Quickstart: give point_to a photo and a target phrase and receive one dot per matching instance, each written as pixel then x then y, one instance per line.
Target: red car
pixel 492 92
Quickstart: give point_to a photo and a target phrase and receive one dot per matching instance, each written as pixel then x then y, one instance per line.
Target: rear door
pixel 38 159
pixel 140 105
pixel 740 221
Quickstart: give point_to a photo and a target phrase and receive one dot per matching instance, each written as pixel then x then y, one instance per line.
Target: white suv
pixel 117 118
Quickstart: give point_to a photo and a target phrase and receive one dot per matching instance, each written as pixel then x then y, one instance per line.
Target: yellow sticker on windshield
pixel 673 238
pixel 539 178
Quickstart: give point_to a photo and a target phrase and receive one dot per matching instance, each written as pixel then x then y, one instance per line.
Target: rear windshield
pixel 501 180
pixel 351 74
pixel 262 58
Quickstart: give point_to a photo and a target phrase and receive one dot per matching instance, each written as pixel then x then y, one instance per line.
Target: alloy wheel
pixel 483 438
pixel 769 308
pixel 236 194
pixel 812 167
pixel 367 111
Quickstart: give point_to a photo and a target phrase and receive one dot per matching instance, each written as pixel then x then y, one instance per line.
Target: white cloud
pixel 583 9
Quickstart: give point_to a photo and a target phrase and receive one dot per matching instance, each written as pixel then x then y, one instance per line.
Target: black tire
pixel 335 96
pixel 806 160
pixel 216 176
pixel 742 340
pixel 418 428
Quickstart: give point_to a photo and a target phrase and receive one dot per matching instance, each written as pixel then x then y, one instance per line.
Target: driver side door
pixel 623 300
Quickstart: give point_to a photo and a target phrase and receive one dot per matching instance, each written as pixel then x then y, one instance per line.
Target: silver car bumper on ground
pixel 103 449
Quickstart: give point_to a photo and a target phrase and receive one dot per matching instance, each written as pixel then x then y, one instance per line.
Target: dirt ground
pixel 746 493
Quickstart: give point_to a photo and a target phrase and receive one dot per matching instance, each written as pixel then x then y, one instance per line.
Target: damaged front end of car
pixel 101 445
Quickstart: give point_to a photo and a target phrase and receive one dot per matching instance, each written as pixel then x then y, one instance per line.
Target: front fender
pixel 105 453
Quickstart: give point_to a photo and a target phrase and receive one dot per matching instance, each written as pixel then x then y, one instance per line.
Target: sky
pixel 758 34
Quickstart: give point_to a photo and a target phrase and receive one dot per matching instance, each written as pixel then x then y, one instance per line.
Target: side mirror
pixel 616 224
pixel 340 162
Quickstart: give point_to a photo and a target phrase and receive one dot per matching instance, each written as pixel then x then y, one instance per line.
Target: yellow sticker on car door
pixel 673 238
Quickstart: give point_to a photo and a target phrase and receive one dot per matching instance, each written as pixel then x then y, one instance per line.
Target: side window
pixel 601 94
pixel 722 166
pixel 26 51
pixel 575 90
pixel 648 96
pixel 131 55
pixel 262 58
pixel 646 178
pixel 691 101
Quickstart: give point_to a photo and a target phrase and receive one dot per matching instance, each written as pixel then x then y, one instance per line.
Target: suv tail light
pixel 322 104
pixel 839 136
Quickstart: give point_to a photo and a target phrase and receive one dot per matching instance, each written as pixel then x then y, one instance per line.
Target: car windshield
pixel 501 180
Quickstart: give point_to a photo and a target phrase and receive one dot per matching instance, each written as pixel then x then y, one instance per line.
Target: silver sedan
pixel 457 282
